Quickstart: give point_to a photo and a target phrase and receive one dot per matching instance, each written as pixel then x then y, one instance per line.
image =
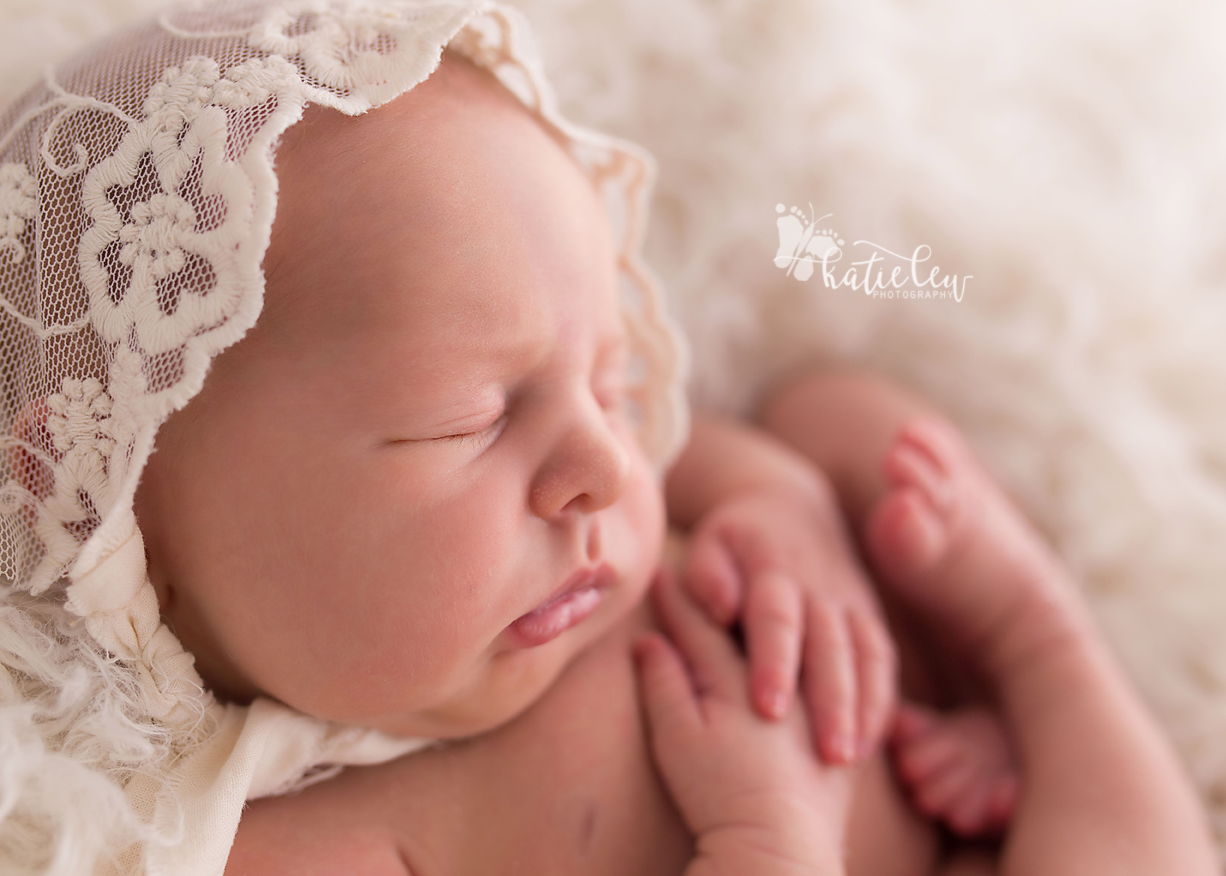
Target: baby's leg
pixel 1101 791
pixel 845 422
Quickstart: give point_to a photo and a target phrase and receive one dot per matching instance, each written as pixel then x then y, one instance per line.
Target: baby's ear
pixel 34 444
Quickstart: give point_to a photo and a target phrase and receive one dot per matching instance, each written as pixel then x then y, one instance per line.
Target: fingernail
pixel 775 703
pixel 842 749
pixel 849 751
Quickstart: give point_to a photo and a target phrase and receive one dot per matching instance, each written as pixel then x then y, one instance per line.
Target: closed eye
pixel 477 437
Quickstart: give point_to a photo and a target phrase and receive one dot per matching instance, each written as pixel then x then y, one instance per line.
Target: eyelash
pixel 481 436
pixel 610 395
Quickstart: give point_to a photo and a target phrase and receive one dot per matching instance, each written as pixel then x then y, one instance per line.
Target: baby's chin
pixel 512 678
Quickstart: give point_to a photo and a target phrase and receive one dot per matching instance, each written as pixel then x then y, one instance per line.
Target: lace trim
pixel 18 205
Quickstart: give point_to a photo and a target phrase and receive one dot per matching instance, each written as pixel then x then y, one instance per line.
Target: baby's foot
pixel 947 540
pixel 957 767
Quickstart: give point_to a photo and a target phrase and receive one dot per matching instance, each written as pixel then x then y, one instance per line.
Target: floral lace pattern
pixel 82 433
pixel 254 82
pixel 153 240
pixel 18 205
pixel 341 50
pixel 181 134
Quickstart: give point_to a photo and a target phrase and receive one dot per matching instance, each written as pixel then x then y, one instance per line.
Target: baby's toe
pixel 926 454
pixel 911 720
pixel 906 534
pixel 957 767
pixel 948 541
pixel 942 792
pixel 926 757
pixel 1003 801
pixel 970 815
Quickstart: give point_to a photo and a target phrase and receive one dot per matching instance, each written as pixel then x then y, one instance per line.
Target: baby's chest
pixel 566 788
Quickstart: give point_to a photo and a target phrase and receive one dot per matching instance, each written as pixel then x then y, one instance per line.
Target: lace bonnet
pixel 137 193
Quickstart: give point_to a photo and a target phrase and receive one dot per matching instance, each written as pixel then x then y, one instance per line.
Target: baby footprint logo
pixel 801 242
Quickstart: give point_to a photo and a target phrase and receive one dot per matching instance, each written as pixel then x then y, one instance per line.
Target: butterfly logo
pixel 801 242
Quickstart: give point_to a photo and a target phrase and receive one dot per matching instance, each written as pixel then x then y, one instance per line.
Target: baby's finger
pixel 773 634
pixel 830 684
pixel 716 667
pixel 668 693
pixel 713 579
pixel 877 674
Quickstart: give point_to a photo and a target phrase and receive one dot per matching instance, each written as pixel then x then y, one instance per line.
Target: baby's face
pixel 410 495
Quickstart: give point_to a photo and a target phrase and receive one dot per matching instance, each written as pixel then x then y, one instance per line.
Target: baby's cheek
pixel 646 518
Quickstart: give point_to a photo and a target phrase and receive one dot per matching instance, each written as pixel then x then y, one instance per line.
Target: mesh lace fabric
pixel 136 198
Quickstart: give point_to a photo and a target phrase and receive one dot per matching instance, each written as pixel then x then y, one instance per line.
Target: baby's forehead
pixel 457 93
pixel 453 180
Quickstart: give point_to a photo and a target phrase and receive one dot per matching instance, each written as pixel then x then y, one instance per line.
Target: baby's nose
pixel 587 470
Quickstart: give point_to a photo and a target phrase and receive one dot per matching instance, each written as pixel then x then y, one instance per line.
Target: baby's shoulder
pixel 328 828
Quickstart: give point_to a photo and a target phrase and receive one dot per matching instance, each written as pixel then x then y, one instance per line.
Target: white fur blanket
pixel 1067 155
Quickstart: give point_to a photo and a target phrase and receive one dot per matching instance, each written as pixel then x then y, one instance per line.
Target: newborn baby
pixel 415 498
pixel 420 464
pixel 432 408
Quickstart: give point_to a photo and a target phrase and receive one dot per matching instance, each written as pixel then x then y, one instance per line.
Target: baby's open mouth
pixel 577 599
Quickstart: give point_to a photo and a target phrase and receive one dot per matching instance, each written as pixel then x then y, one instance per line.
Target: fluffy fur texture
pixel 69 699
pixel 1068 155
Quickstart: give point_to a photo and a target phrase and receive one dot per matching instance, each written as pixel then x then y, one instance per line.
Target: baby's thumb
pixel 668 694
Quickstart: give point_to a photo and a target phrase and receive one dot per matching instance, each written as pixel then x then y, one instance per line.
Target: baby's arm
pixel 752 791
pixel 770 549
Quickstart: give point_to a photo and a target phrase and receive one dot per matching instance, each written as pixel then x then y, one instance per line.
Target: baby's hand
pixel 751 790
pixel 780 561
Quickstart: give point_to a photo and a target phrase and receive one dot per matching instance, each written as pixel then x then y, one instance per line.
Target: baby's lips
pixel 579 597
